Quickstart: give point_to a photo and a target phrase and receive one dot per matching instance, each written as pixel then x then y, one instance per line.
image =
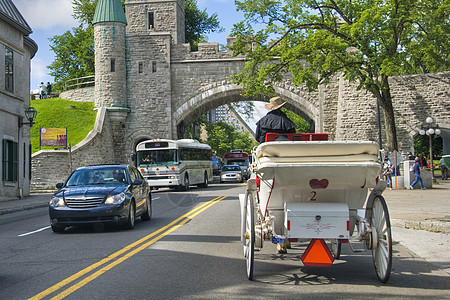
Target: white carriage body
pixel 322 183
pixel 317 191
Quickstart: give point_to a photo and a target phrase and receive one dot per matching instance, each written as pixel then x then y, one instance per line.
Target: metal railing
pixel 79 82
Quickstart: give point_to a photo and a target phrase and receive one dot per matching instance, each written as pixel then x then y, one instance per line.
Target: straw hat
pixel 275 103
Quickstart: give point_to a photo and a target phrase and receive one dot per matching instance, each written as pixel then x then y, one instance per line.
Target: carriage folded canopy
pixel 319 164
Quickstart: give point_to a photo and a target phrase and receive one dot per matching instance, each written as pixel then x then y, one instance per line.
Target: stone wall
pixel 52 166
pixel 148 88
pixel 81 94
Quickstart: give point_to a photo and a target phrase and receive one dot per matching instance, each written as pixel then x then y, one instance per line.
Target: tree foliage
pixel 198 24
pixel 223 138
pixel 74 55
pixel 74 50
pixel 301 126
pixel 422 145
pixel 366 40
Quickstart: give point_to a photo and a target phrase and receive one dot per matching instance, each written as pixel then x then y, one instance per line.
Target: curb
pixel 22 208
pixel 428 225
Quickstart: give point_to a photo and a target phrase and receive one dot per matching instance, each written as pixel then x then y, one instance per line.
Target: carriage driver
pixel 275 121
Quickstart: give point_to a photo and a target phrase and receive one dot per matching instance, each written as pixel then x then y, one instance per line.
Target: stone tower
pixel 110 90
pixel 157 17
pixel 110 68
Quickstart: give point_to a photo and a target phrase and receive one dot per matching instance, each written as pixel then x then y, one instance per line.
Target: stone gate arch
pixel 218 95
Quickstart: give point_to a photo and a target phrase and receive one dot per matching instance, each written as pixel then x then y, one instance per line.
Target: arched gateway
pixel 148 84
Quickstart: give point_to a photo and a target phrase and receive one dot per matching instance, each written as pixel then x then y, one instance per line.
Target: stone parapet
pixel 82 94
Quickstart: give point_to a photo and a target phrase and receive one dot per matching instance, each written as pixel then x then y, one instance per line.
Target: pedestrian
pixel 49 89
pixel 417 169
pixel 41 90
pixel 387 171
pixel 444 170
pixel 275 121
pixel 422 160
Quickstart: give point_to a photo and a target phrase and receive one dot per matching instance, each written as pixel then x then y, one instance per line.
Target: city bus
pixel 174 163
pixel 240 158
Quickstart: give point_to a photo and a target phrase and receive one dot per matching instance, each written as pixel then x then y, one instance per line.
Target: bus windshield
pixel 243 163
pixel 157 157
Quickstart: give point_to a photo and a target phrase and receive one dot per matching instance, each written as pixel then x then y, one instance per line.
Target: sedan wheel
pixel 58 229
pixel 131 217
pixel 147 215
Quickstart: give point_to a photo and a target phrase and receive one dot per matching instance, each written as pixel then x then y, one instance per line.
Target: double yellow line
pixel 122 255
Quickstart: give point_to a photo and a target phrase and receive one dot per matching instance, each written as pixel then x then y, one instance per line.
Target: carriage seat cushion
pixel 314 151
pixel 321 159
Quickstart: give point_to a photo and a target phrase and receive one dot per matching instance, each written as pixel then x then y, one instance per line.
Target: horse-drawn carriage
pixel 325 192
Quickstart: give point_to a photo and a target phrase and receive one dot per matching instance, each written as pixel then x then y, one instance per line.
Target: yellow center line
pixel 184 219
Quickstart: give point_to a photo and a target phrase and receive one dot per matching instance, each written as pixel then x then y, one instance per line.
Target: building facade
pixel 16 51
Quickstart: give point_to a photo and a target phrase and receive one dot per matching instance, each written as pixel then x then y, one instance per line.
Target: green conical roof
pixel 109 11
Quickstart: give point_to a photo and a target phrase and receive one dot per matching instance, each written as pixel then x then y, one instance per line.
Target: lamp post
pixel 30 113
pixel 430 130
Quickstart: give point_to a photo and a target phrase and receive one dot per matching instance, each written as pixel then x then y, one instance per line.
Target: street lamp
pixel 30 113
pixel 430 130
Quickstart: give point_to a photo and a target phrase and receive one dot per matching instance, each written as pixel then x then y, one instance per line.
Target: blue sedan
pixel 101 194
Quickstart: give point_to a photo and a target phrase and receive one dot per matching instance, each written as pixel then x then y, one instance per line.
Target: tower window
pixel 113 65
pixel 151 20
pixel 153 66
pixel 141 67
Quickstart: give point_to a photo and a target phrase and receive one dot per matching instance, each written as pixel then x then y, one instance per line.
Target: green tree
pixel 301 126
pixel 223 138
pixel 367 40
pixel 198 24
pixel 74 50
pixel 74 55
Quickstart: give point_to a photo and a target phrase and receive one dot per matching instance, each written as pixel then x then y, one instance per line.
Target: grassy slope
pixel 78 117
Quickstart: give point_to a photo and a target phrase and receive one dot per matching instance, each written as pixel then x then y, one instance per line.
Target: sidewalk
pixel 35 200
pixel 416 209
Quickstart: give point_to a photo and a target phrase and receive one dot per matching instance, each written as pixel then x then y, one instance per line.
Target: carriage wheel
pixel 249 248
pixel 336 248
pixel 381 239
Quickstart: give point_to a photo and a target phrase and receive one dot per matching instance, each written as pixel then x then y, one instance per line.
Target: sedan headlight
pixel 57 202
pixel 115 199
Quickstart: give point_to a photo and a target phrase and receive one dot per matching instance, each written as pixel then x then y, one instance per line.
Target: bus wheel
pixel 186 182
pixel 205 181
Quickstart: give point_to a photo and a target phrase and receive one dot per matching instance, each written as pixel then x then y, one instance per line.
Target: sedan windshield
pixel 97 176
pixel 231 168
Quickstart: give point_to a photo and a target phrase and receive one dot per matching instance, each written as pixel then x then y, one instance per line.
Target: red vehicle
pixel 240 158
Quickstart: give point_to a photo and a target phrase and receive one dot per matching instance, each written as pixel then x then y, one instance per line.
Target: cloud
pixel 38 72
pixel 47 14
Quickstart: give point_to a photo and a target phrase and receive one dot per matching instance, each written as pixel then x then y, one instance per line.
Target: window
pixel 9 70
pixel 132 174
pixel 113 65
pixel 153 66
pixel 141 67
pixel 151 20
pixel 10 160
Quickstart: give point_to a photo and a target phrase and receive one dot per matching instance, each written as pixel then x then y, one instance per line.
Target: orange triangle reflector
pixel 317 254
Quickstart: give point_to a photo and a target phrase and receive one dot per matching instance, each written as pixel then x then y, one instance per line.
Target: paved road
pixel 199 259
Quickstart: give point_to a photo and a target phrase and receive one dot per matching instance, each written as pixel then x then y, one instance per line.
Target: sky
pixel 48 18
